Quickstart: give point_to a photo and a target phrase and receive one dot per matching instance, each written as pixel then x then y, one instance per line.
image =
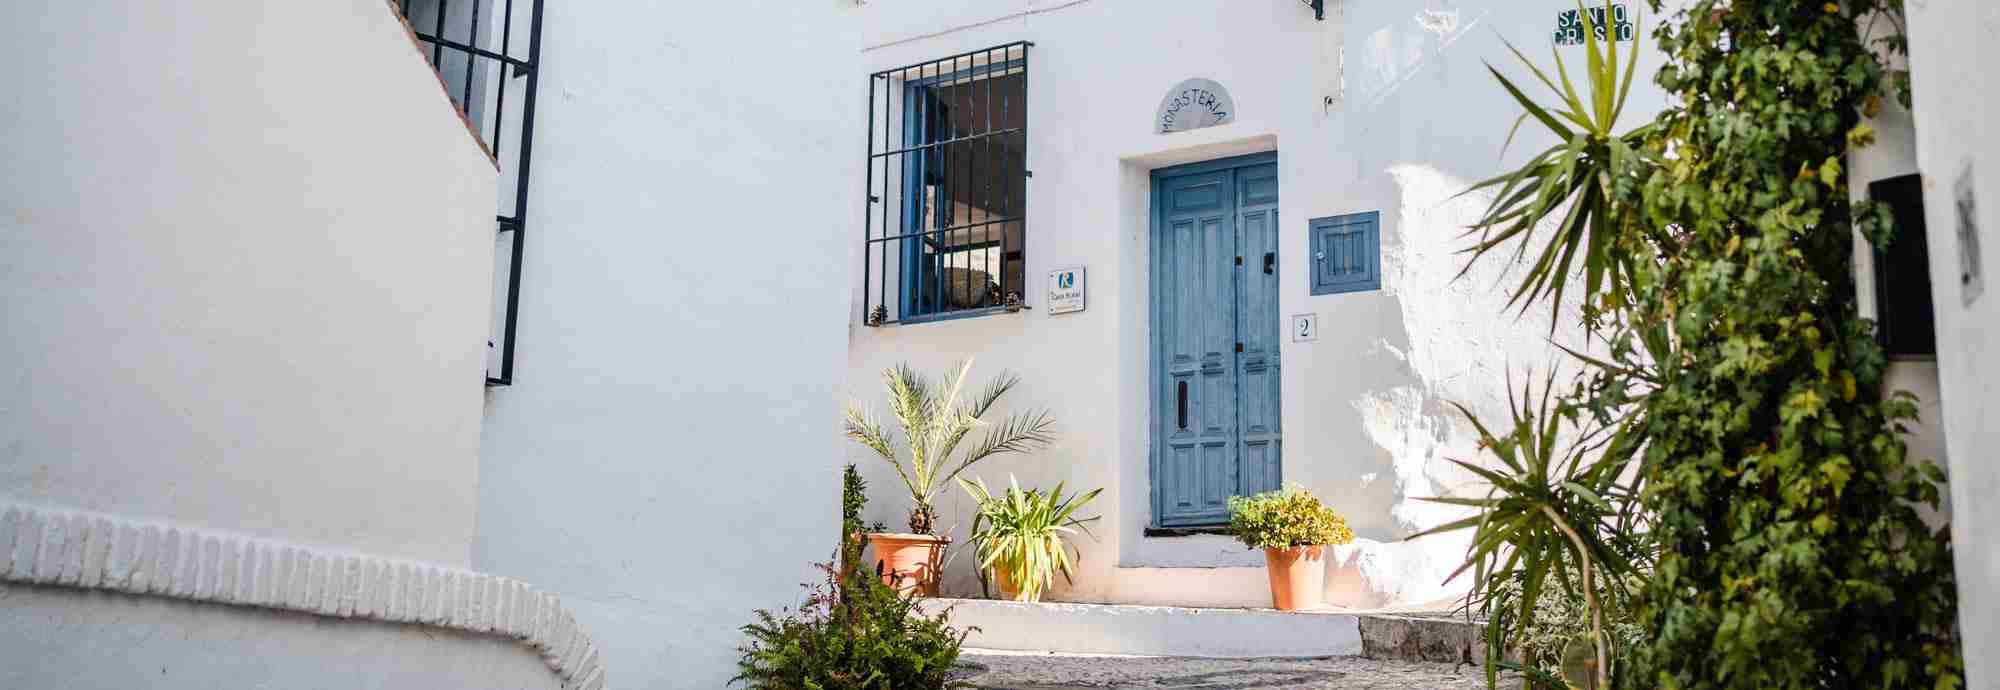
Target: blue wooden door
pixel 1215 337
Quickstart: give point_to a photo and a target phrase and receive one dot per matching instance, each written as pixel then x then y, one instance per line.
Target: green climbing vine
pixel 1735 455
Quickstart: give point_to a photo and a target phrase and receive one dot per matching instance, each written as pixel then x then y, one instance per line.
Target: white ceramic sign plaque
pixel 1194 104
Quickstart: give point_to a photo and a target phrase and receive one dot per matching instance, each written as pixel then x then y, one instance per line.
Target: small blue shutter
pixel 1346 253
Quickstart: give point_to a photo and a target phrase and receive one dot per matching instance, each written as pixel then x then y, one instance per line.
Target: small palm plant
pixel 934 423
pixel 1023 536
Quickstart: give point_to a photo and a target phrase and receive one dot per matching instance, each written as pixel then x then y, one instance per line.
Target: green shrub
pixel 1558 640
pixel 1023 536
pixel 852 633
pixel 853 499
pixel 1284 519
pixel 1737 414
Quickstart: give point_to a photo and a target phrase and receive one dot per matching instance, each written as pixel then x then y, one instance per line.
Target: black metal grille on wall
pixel 489 68
pixel 946 229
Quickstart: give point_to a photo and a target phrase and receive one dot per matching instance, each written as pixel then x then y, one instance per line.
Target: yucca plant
pixel 935 422
pixel 1022 537
pixel 1584 173
pixel 1554 507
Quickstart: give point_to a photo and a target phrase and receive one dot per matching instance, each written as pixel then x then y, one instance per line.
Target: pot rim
pixel 907 536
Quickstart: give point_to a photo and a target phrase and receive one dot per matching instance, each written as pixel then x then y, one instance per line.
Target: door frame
pixel 1156 339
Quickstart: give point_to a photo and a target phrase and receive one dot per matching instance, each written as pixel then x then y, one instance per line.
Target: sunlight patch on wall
pixel 1463 341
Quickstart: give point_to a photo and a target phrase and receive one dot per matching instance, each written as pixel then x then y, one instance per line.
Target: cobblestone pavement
pixel 1018 671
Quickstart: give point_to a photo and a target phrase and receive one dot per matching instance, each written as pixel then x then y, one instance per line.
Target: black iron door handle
pixel 1270 258
pixel 1181 405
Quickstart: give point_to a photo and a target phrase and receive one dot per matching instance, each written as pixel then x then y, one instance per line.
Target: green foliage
pixel 1023 536
pixel 1284 519
pixel 934 422
pixel 853 499
pixel 1740 406
pixel 1782 491
pixel 1558 641
pixel 1548 518
pixel 1577 177
pixel 852 633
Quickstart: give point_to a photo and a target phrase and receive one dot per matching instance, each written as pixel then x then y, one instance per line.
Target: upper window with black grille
pixel 946 231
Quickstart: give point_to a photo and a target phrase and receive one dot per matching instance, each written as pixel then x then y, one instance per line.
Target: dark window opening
pixel 1904 320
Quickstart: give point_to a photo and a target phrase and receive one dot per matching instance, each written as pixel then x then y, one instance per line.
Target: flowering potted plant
pixel 1294 529
pixel 934 423
pixel 1021 537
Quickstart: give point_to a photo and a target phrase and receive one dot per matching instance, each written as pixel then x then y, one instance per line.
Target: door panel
pixel 1257 314
pixel 1198 411
pixel 1215 323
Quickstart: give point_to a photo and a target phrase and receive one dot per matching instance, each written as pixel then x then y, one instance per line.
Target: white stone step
pixel 1154 630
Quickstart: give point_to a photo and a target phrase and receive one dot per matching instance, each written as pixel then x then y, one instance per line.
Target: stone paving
pixel 1026 671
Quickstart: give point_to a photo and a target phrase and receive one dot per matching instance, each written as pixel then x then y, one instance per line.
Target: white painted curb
pixel 67 548
pixel 1153 630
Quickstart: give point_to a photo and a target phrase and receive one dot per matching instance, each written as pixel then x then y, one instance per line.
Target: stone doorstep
pixel 1116 629
pixel 1437 637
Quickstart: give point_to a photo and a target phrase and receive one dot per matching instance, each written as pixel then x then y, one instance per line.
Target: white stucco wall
pixel 1415 119
pixel 1951 44
pixel 244 259
pixel 665 458
pixel 245 286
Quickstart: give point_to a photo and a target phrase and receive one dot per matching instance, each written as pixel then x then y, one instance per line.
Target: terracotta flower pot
pixel 1008 590
pixel 909 562
pixel 1298 577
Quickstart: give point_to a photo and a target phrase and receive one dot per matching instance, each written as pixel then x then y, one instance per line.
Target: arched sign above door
pixel 1194 104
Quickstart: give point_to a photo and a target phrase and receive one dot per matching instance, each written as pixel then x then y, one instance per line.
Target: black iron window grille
pixel 488 64
pixel 947 194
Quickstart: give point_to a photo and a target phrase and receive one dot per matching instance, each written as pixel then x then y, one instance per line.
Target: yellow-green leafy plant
pixel 1023 536
pixel 1739 446
pixel 1284 519
pixel 934 422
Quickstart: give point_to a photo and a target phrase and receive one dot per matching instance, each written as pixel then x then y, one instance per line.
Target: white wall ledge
pixel 67 548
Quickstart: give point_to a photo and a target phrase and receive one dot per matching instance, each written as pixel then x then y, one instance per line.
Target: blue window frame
pixel 1346 253
pixel 946 232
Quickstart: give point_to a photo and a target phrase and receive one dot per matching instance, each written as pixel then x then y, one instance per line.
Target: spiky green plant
pixel 1552 508
pixel 1580 177
pixel 1023 536
pixel 934 422
pixel 1740 394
